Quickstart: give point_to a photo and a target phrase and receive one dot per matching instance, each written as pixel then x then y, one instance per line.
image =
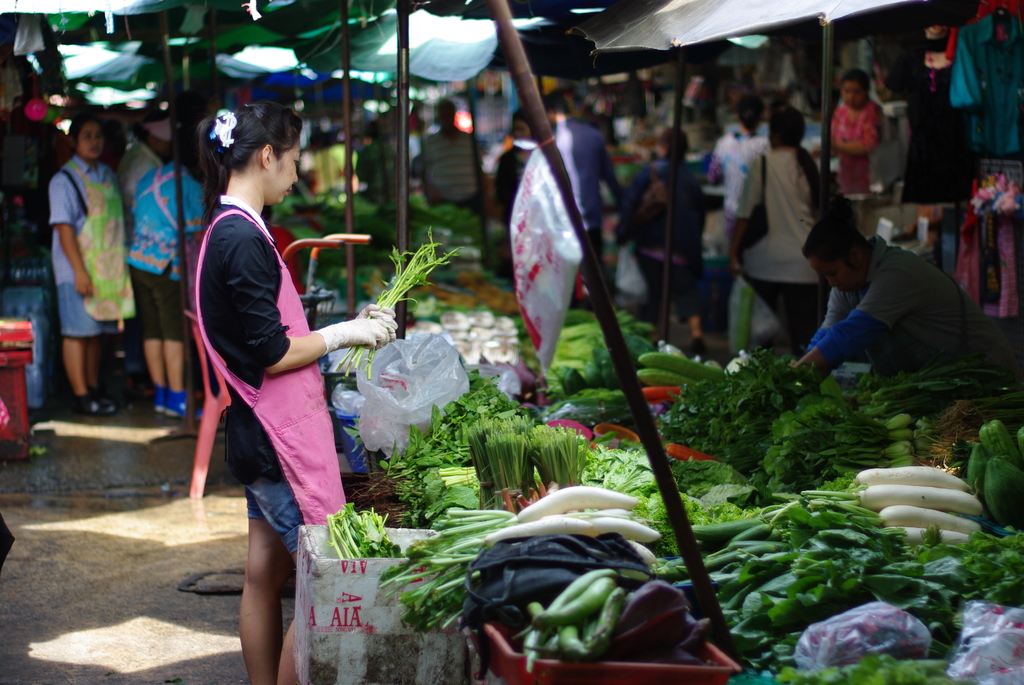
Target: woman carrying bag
pixel 786 184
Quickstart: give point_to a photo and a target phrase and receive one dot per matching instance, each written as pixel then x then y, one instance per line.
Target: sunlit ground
pixel 68 429
pixel 154 644
pixel 181 522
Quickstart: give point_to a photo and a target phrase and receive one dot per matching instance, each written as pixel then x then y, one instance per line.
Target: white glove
pixel 386 315
pixel 368 332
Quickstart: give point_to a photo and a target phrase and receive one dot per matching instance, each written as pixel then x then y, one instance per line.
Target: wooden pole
pixel 402 147
pixel 670 207
pixel 350 193
pixel 172 110
pixel 536 116
pixel 827 72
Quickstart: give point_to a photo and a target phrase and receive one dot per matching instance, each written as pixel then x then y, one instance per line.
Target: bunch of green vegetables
pixel 598 372
pixel 408 275
pixel 432 579
pixel 581 335
pixel 930 390
pixel 731 420
pixel 421 488
pixel 557 455
pixel 578 624
pixel 501 456
pixel 359 535
pixel 873 669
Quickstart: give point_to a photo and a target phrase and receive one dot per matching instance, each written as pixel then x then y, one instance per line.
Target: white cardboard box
pixel 349 632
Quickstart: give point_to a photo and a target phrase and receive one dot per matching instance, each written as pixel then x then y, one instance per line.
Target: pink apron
pixel 291 407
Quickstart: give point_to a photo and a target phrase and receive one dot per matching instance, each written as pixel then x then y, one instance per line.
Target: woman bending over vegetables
pixel 890 304
pixel 279 438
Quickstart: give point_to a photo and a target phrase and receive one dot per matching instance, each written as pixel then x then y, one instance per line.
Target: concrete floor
pixel 105 532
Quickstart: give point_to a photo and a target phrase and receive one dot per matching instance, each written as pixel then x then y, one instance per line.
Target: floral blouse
pixel 849 126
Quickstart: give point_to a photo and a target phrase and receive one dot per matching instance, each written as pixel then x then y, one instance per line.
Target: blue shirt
pixel 592 165
pixel 155 243
pixel 988 81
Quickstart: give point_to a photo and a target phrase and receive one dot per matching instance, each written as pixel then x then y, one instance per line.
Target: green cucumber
pixel 727 530
pixel 660 377
pixel 995 436
pixel 760 532
pixel 682 366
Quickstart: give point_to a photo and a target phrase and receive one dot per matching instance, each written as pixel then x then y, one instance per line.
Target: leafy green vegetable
pixel 359 535
pixel 625 471
pixel 873 669
pixel 696 478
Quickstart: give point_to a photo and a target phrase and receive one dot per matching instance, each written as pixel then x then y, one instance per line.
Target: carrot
pixel 684 453
pixel 661 393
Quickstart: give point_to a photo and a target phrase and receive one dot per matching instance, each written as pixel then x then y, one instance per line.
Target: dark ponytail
pixel 836 235
pixel 261 123
pixel 787 125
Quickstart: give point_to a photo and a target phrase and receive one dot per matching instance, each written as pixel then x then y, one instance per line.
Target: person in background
pixel 774 266
pixel 891 304
pixel 511 165
pixel 93 289
pixel 730 161
pixel 156 272
pixel 855 133
pixel 587 163
pixel 114 142
pixel 279 437
pixel 375 165
pixel 450 165
pixel 151 150
pixel 687 234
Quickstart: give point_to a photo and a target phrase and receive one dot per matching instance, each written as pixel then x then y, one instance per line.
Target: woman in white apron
pixel 279 437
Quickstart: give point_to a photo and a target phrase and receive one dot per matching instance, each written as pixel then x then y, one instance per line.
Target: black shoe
pixel 86 404
pixel 698 346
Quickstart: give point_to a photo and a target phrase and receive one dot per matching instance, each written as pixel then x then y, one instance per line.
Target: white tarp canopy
pixel 664 24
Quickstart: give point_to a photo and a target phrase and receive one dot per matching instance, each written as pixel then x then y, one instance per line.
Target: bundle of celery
pixel 407 276
pixel 358 535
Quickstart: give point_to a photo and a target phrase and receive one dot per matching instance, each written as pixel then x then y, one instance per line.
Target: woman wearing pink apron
pixel 279 438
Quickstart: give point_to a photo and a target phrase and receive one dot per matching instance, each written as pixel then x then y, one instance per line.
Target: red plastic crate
pixel 510 666
pixel 14 436
pixel 16 333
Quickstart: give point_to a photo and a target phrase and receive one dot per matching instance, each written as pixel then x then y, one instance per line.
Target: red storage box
pixel 510 666
pixel 14 436
pixel 16 333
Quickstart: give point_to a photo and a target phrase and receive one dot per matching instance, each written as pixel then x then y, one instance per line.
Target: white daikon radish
pixel 925 476
pixel 878 497
pixel 551 525
pixel 904 515
pixel 645 554
pixel 915 536
pixel 631 530
pixel 573 499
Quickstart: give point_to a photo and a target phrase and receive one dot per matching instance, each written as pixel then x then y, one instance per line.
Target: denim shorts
pixel 75 322
pixel 275 502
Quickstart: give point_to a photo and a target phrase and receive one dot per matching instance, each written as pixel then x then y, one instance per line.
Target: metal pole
pixel 827 74
pixel 214 72
pixel 172 110
pixel 536 116
pixel 350 193
pixel 670 206
pixel 485 244
pixel 402 146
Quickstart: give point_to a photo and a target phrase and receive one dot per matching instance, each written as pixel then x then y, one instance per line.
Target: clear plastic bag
pixel 752 322
pixel 409 377
pixel 508 380
pixel 630 284
pixel 873 628
pixel 990 648
pixel 545 255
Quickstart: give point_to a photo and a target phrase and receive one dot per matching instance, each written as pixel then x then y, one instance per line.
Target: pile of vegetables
pixel 359 535
pixel 996 472
pixel 664 369
pixel 873 669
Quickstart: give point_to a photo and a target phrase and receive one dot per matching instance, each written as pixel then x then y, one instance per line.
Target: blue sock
pixel 176 403
pixel 159 398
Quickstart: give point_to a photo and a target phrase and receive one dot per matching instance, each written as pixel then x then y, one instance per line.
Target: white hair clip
pixel 222 129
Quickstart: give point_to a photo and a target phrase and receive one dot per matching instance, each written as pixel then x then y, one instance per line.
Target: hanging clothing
pixel 854 175
pixel 1007 302
pixel 289 408
pixel 988 82
pixel 966 274
pixel 101 243
pixel 940 167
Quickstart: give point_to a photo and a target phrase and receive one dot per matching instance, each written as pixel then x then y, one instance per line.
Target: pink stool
pixel 213 407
